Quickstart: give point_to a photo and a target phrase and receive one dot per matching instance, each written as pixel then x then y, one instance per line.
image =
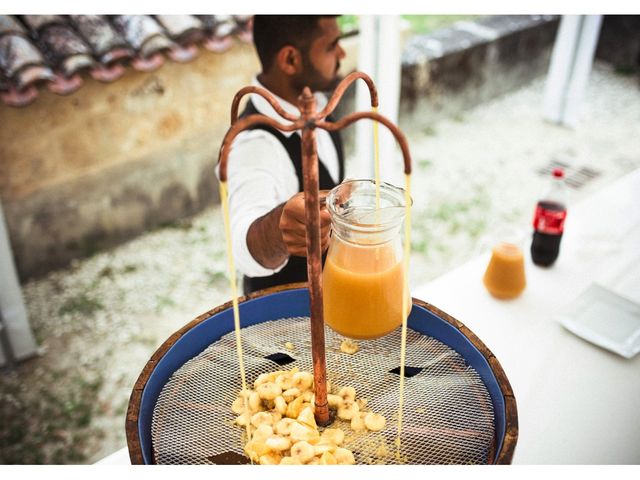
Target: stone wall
pixel 457 68
pixel 88 171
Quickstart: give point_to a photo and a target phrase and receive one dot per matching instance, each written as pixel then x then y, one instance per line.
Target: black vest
pixel 296 268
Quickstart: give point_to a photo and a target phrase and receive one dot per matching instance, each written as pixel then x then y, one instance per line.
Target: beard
pixel 313 79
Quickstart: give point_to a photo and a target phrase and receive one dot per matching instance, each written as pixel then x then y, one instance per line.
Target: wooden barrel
pixel 293 301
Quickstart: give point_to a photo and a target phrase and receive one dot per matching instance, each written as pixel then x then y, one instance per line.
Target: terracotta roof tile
pixel 184 29
pixel 10 25
pixel 36 22
pixel 65 50
pixel 107 44
pixel 143 33
pixel 21 62
pixel 56 51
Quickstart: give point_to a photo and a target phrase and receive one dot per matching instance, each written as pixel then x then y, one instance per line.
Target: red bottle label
pixel 549 218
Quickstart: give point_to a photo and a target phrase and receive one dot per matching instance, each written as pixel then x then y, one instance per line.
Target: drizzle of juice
pixel 405 293
pixel 234 292
pixel 376 156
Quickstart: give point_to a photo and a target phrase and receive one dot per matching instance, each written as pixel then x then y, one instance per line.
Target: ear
pixel 289 60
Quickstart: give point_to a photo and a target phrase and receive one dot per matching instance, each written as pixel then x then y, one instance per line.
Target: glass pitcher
pixel 363 273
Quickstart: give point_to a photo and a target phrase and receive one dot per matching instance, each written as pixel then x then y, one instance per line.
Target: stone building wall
pixel 86 171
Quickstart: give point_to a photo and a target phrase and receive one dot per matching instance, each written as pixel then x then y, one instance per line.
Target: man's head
pixel 303 49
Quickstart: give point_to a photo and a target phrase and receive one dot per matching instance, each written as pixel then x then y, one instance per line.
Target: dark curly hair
pixel 272 32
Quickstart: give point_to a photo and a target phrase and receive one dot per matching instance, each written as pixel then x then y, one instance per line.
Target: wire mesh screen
pixel 448 416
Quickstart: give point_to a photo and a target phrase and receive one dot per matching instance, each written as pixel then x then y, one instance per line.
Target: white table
pixel 577 403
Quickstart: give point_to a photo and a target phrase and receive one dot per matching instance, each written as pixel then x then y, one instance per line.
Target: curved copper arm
pixel 268 96
pixel 244 124
pixel 354 117
pixel 342 86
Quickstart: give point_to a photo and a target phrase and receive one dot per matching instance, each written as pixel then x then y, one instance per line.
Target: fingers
pixel 296 241
pixel 293 226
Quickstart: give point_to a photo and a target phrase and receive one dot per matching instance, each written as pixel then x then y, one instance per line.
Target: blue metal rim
pixel 294 303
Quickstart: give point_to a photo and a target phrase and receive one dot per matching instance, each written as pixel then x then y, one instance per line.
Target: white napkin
pixel 604 318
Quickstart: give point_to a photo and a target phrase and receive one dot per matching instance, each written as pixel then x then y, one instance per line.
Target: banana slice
pixel 280 405
pixel 303 451
pixel 347 410
pixel 268 390
pixel 291 394
pixel 357 422
pixel 374 421
pixel 290 461
pixel 264 378
pixel 324 446
pixel 301 432
pixel 277 416
pixel 327 458
pixel 303 380
pixel 344 456
pixel 255 450
pixel 271 458
pixel 243 420
pixel 261 418
pixel 283 427
pixel 333 435
pixel 284 381
pixel 294 408
pixel 308 418
pixel 263 432
pixel 349 346
pixel 238 406
pixel 255 402
pixel 348 394
pixel 278 443
pixel 334 401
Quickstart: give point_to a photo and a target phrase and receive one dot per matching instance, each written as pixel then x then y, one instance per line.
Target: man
pixel 265 165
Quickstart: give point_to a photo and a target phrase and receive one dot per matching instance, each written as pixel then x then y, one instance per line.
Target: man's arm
pixel 272 238
pixel 264 239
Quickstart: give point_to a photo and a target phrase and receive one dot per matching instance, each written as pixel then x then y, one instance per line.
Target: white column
pixel 379 56
pixel 571 63
pixel 14 314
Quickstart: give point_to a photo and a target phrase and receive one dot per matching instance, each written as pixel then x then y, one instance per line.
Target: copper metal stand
pixel 308 120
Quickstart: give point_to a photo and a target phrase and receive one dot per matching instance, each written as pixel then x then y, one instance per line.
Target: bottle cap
pixel 558 173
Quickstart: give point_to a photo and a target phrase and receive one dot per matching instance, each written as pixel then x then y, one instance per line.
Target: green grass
pixel 83 304
pixel 215 276
pixel 164 302
pixel 419 24
pixel 424 162
pixel 52 427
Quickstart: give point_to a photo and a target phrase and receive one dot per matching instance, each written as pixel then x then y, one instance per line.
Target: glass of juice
pixel 364 273
pixel 505 276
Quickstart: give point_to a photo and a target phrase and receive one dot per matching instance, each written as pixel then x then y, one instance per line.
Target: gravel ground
pixel 99 321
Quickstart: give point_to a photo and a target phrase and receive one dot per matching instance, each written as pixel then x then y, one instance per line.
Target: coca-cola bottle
pixel 548 221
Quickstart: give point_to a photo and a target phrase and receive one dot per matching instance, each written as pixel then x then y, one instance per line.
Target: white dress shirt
pixel 261 176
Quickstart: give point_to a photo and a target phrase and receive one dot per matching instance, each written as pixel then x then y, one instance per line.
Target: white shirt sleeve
pixel 260 176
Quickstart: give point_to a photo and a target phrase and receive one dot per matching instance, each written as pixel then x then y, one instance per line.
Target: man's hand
pixel 280 233
pixel 294 228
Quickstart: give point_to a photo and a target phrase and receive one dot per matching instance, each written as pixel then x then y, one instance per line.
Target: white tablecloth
pixel 577 403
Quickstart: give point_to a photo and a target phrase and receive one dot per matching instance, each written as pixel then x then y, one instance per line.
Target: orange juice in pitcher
pixel 364 271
